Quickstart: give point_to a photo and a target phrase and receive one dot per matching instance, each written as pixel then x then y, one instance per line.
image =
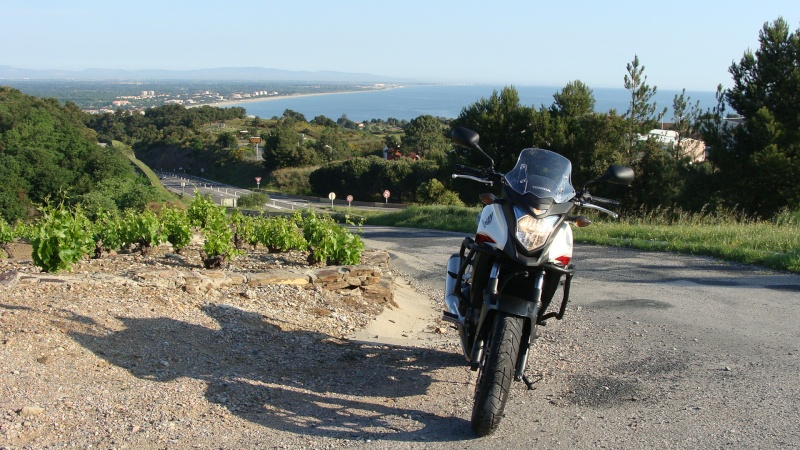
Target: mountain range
pixel 220 73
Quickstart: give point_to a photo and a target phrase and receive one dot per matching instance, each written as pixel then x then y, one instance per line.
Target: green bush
pixel 6 232
pixel 256 200
pixel 218 245
pixel 106 233
pixel 281 234
pixel 177 227
pixel 143 229
pixel 330 243
pixel 60 239
pixel 433 192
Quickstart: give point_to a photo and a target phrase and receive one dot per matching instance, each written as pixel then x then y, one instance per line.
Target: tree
pixel 574 100
pixel 424 136
pixel 762 166
pixel 503 124
pixel 283 147
pixel 641 113
pixel 684 120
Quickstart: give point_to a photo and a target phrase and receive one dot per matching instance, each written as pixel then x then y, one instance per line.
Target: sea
pixel 447 101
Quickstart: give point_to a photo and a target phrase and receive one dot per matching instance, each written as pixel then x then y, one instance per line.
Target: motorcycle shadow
pixel 301 382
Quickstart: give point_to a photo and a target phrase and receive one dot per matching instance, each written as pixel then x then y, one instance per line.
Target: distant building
pixel 693 148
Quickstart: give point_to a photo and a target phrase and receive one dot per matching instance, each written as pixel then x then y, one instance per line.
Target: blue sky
pixel 682 44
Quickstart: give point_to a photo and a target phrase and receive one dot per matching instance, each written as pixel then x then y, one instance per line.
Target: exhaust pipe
pixel 451 300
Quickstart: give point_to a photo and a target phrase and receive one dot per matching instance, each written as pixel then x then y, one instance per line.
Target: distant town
pixel 104 96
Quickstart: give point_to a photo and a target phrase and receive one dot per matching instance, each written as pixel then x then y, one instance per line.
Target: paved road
pixel 657 351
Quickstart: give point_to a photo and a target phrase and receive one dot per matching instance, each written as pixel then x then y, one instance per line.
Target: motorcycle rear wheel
pixel 496 373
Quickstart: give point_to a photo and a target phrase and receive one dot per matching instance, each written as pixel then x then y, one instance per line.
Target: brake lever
pixel 470 177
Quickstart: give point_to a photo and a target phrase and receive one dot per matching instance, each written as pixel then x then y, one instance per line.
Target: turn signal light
pixel 582 221
pixel 487 198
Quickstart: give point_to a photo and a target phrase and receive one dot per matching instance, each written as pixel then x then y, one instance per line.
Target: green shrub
pixel 330 243
pixel 6 232
pixel 200 209
pixel 107 233
pixel 218 244
pixel 143 229
pixel 281 234
pixel 60 239
pixel 256 200
pixel 177 227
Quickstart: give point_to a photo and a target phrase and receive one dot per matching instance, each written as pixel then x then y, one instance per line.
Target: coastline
pixel 229 103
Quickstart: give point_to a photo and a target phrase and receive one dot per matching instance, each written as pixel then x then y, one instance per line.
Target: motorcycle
pixel 501 283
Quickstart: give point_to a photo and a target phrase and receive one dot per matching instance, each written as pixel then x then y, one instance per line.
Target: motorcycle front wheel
pixel 496 373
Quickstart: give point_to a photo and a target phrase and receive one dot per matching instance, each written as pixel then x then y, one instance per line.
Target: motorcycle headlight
pixel 532 233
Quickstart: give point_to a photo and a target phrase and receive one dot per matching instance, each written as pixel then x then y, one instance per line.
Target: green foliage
pixel 177 227
pixel 281 234
pixel 641 115
pixel 218 245
pixel 142 229
pixel 330 243
pixel 764 152
pixel 6 232
pixel 46 151
pixel 294 180
pixel 367 178
pixel 200 210
pixel 434 192
pixel 61 238
pixel 256 200
pixel 107 232
pixel 425 136
pixel 24 230
pixel 283 147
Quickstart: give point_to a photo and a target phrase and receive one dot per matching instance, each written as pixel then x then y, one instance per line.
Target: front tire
pixel 496 373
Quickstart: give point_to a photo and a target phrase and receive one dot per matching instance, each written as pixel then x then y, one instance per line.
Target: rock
pixel 278 277
pixel 29 411
pixel 9 278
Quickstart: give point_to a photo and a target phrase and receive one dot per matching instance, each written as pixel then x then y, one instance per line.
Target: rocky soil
pixel 129 351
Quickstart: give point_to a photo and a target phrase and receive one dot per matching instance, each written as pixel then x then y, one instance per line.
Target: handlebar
pixel 607 201
pixel 599 208
pixel 469 170
pixel 470 177
pixel 486 176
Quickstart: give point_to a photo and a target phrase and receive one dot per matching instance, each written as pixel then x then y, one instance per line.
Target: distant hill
pixel 220 73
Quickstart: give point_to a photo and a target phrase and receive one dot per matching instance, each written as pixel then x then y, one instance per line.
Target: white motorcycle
pixel 500 285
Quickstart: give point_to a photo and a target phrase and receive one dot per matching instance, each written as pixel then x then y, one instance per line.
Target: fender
pixel 527 309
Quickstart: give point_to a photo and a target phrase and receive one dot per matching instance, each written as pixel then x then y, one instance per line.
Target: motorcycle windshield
pixel 543 173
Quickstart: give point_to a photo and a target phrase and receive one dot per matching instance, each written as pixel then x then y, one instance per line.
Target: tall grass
pixel 725 234
pixel 446 218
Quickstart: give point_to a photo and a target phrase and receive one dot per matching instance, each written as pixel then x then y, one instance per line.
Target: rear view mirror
pixel 617 174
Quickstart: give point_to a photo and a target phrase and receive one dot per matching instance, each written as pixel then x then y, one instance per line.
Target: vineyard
pixel 65 235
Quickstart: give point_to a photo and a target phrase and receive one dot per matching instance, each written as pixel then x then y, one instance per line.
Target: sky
pixel 681 44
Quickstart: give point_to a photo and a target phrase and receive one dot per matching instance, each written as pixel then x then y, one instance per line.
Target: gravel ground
pixel 100 358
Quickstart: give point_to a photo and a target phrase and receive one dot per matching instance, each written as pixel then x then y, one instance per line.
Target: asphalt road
pixel 656 351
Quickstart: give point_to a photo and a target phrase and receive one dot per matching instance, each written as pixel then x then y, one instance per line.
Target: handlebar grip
pixel 469 170
pixel 607 201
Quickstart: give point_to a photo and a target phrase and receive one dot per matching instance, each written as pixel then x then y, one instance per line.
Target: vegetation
pixel 64 235
pixel 47 153
pixel 722 234
pixel 50 151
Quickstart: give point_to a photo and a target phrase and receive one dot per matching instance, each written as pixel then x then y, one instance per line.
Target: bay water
pixel 409 102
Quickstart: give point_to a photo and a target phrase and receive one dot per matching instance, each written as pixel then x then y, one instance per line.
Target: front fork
pixel 530 309
pixel 527 308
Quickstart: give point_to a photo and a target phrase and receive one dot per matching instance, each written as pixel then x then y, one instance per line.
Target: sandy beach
pixel 237 102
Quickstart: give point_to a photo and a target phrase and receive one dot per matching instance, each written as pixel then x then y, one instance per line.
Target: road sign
pixel 349 200
pixel 258 182
pixel 255 140
pixel 332 196
pixel 386 194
